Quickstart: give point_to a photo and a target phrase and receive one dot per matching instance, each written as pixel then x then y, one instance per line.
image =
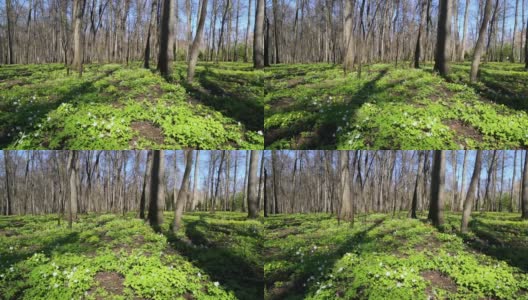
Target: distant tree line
pixel 347 183
pixel 145 182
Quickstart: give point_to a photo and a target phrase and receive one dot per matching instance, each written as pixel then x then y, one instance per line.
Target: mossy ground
pixel 118 107
pixel 316 107
pixel 311 256
pixel 114 257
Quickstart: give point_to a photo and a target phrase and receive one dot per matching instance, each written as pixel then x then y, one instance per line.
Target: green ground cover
pixel 311 256
pixel 117 107
pixel 112 257
pixel 316 107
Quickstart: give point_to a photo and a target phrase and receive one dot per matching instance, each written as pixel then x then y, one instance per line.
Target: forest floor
pixel 118 107
pixel 316 107
pixel 214 256
pixel 311 256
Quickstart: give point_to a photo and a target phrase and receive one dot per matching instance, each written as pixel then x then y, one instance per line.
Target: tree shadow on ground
pixel 294 288
pixel 491 240
pixel 233 95
pixel 323 124
pixel 24 117
pixel 233 271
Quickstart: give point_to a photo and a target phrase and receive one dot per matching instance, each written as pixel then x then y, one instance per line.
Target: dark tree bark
pixel 418 49
pixel 472 192
pixel 157 191
pixel 265 193
pixel 436 214
pixel 443 38
pixel 480 42
pixel 152 23
pixel 9 12
pixel 165 38
pixel 8 209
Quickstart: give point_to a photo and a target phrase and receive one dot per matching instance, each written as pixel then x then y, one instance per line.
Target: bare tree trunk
pixel 512 59
pixel 348 60
pixel 146 186
pixel 9 12
pixel 252 185
pixel 195 180
pixel 480 42
pixel 276 30
pixel 72 207
pixel 463 185
pixel 524 203
pixel 347 210
pixel 246 48
pixel 182 193
pixel 258 36
pixel 78 13
pixel 472 193
pixel 436 207
pixel 195 48
pixel 443 38
pixel 165 38
pixel 416 194
pixel 418 50
pixel 464 32
pixel 152 23
pixel 157 191
pixel 8 209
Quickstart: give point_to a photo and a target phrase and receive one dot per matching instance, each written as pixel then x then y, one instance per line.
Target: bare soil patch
pixel 148 131
pixel 112 282
pixel 463 130
pixel 438 280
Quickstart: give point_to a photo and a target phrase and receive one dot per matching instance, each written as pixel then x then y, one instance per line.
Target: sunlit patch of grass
pixel 383 257
pixel 316 106
pixel 43 108
pixel 43 260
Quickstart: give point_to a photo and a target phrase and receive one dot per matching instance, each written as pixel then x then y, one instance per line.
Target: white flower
pixel 54 274
pixel 94 124
pixel 11 248
pixel 199 275
pixel 216 283
pixel 260 132
pixel 388 273
pixel 398 284
pixel 381 264
pixel 340 269
pixel 56 285
pixel 12 269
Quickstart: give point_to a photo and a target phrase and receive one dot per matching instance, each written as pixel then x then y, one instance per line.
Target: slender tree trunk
pixel 417 193
pixel 195 180
pixel 348 39
pixel 182 193
pixel 480 42
pixel 252 185
pixel 195 48
pixel 9 12
pixel 8 209
pixel 512 58
pixel 418 49
pixel 524 203
pixel 464 32
pixel 72 207
pixel 347 209
pixel 265 193
pixel 276 30
pixel 246 48
pixel 472 193
pixel 151 25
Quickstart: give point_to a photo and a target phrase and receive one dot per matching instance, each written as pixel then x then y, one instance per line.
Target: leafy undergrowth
pixel 315 106
pixel 380 257
pixel 116 107
pixel 112 257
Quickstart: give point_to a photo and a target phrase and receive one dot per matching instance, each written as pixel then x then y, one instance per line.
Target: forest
pixel 264 224
pixel 255 74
